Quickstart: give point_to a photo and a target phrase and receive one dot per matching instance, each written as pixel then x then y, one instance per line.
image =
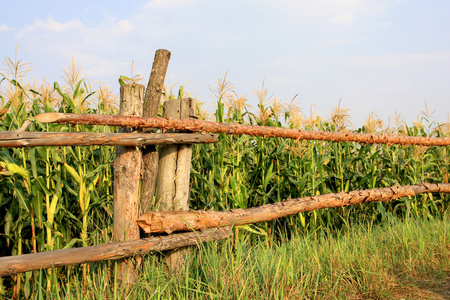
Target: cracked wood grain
pixel 151 106
pixel 172 182
pixel 194 220
pixel 17 139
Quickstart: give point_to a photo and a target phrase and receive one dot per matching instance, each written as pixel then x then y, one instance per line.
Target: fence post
pixel 172 183
pixel 151 107
pixel 127 172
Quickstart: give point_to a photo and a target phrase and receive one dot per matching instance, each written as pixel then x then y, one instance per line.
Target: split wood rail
pixel 138 122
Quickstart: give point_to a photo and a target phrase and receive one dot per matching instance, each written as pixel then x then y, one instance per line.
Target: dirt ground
pixel 425 289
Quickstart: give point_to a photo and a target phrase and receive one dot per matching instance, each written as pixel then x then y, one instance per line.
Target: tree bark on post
pixel 172 183
pixel 127 175
pixel 151 107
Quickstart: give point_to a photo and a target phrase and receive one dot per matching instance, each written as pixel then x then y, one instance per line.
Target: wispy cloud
pixel 5 28
pixel 169 4
pixel 107 45
pixel 329 11
pixel 343 18
pixel 101 48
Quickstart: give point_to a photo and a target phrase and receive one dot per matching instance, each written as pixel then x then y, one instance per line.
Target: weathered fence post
pixel 151 107
pixel 127 174
pixel 172 183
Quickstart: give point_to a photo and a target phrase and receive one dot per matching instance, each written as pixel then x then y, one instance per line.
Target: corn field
pixel 60 197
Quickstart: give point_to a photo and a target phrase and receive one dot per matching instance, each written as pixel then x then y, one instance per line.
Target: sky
pixel 381 56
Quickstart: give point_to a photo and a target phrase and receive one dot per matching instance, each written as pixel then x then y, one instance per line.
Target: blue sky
pixel 377 55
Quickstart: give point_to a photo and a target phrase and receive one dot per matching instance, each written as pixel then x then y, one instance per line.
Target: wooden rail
pixel 33 139
pixel 11 265
pixel 197 220
pixel 213 127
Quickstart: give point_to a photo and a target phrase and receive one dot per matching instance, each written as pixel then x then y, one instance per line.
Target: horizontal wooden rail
pixel 18 138
pixel 197 220
pixel 213 127
pixel 31 262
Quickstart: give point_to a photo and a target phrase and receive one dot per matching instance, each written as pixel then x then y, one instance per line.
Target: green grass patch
pixel 392 260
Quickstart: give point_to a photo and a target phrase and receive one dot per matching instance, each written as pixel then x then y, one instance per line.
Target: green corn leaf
pixel 123 79
pixel 58 185
pixel 38 205
pixel 42 154
pixel 32 154
pixel 48 106
pixel 57 88
pixel 16 83
pixel 35 92
pixel 23 201
pixel 268 176
pixel 66 98
pixel 4 170
pixel 8 223
pixel 87 96
pixel 40 182
pixel 48 225
pixel 253 229
pixel 68 188
pixel 93 183
pixel 71 243
pixel 181 92
pixel 78 90
pixel 19 170
pixel 15 169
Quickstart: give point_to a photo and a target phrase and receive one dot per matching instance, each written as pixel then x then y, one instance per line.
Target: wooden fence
pixel 137 159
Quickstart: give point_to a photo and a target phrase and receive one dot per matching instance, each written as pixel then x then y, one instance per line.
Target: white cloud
pixel 344 18
pixel 122 27
pixel 106 46
pixel 343 12
pixel 169 4
pixel 102 50
pixel 74 36
pixel 5 28
pixel 97 66
pixel 50 25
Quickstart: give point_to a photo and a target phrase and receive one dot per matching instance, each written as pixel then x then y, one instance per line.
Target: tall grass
pixel 59 197
pixel 395 260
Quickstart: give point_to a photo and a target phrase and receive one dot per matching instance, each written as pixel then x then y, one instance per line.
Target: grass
pixel 407 259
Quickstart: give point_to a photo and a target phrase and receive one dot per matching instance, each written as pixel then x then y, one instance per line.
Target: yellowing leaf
pixel 73 173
